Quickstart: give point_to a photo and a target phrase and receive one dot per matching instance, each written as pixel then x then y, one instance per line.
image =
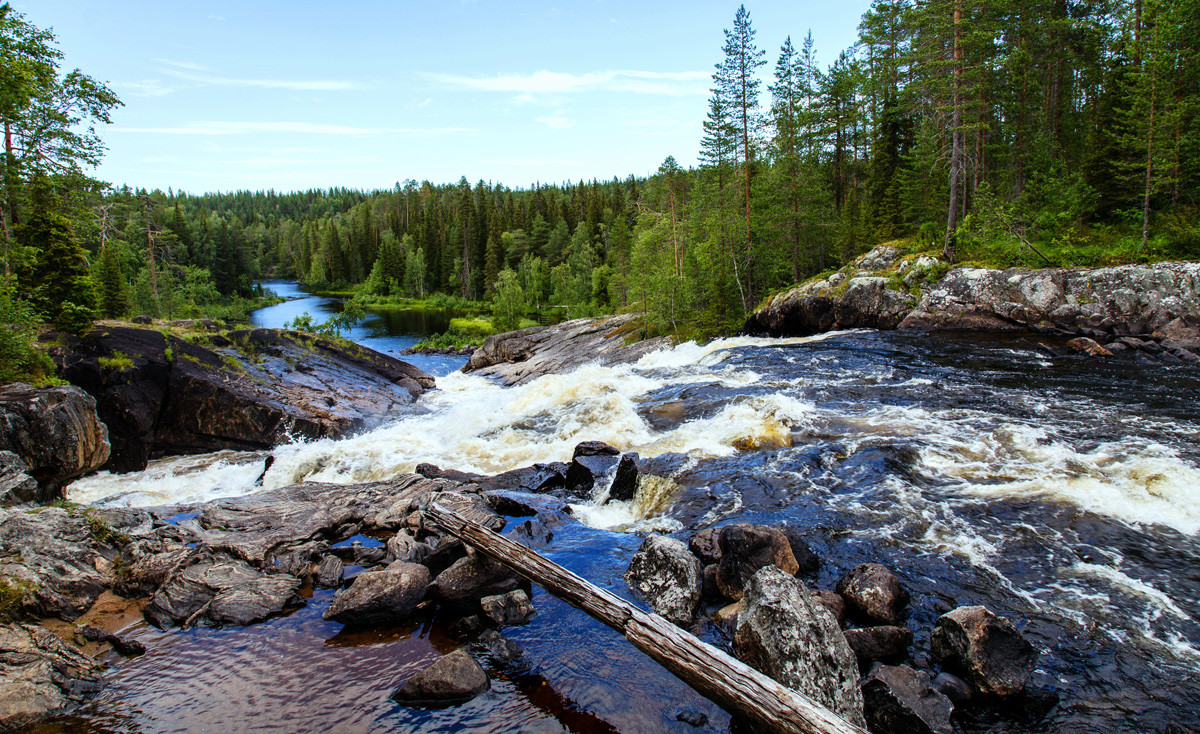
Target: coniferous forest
pixel 1006 132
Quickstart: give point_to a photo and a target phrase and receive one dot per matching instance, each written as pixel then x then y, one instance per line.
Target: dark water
pixel 1062 493
pixel 385 330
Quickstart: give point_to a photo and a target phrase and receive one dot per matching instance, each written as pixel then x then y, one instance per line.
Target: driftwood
pixel 733 685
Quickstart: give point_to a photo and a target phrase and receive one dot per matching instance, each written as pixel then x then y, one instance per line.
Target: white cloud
pixel 304 84
pixel 556 82
pixel 192 65
pixel 557 121
pixel 148 88
pixel 223 127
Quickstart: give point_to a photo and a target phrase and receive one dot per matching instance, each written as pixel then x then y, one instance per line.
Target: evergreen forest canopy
pixel 1003 132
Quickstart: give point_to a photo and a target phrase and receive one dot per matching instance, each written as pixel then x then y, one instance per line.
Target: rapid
pixel 1063 493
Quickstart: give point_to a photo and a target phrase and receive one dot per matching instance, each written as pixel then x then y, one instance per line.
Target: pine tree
pixel 61 289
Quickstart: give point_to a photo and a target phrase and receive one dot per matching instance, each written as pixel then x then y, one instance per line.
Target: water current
pixel 1063 493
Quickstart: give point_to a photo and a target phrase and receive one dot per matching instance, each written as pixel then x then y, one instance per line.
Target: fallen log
pixel 730 683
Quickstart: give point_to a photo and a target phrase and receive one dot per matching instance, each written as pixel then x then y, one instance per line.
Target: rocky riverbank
pixel 1149 310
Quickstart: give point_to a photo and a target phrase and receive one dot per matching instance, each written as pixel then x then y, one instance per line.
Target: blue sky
pixel 292 95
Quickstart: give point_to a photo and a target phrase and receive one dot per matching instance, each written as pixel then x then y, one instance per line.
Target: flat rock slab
pixel 61 557
pixel 516 357
pixel 41 675
pixel 217 591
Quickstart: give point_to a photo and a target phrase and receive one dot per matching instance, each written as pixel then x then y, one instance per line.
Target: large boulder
pixel 471 578
pixel 516 357
pixel 666 574
pixel 706 546
pixel 987 647
pixel 40 675
pixel 747 548
pixel 874 592
pixel 879 643
pixel 164 394
pixel 382 597
pixel 784 633
pixel 57 434
pixel 900 700
pixel 218 591
pixel 625 481
pixel 456 678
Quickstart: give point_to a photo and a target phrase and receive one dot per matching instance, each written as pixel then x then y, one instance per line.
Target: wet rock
pixel 995 656
pixel 709 588
pixel 874 592
pixel 536 532
pixel 666 574
pixel 594 448
pixel 454 679
pixel 954 688
pixel 472 578
pixel 56 432
pixel 693 718
pixel 747 548
pixel 536 479
pixel 502 651
pixel 783 633
pixel 1089 347
pixel 522 504
pixel 705 545
pixel 41 675
pixel 728 615
pixel 328 573
pixel 509 610
pixel 807 560
pixel 195 401
pixel 625 483
pixel 387 596
pixel 468 627
pixel 217 591
pixel 585 470
pixel 879 643
pixel 404 547
pixel 16 486
pixel 832 601
pixel 900 700
pixel 516 357
pixel 433 471
pixel 120 644
pixel 59 559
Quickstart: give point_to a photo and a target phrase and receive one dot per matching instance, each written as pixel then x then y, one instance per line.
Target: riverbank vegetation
pixel 998 133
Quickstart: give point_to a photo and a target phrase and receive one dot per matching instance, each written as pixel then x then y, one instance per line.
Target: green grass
pixel 12 596
pixel 117 361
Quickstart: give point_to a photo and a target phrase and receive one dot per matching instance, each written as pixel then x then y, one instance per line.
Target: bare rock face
pixel 784 633
pixel 454 679
pixel 516 357
pixel 994 654
pixel 900 700
pixel 387 596
pixel 747 548
pixel 875 593
pixel 666 574
pixel 260 388
pixel 41 675
pixel 57 434
pixel 16 486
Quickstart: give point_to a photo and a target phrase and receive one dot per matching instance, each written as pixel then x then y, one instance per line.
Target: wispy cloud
pixel 224 127
pixel 557 82
pixel 557 121
pixel 148 88
pixel 304 84
pixel 192 65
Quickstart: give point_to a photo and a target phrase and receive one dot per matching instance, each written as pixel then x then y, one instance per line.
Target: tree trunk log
pixel 730 683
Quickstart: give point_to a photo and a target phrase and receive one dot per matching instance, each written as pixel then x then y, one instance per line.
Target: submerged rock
pixel 383 597
pixel 57 434
pixel 987 647
pixel 516 357
pixel 873 591
pixel 900 700
pixel 666 574
pixel 454 679
pixel 511 609
pixel 747 548
pixel 262 388
pixel 783 632
pixel 41 675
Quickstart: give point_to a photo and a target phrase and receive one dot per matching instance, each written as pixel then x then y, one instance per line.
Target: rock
pixel 501 650
pixel 520 504
pixel 472 578
pixel 454 679
pixel 535 479
pixel 142 319
pixel 219 591
pixel 900 700
pixel 832 601
pixel 120 644
pixel 41 675
pixel 705 545
pixel 585 470
pixel 384 597
pixel 185 397
pixel 807 560
pixel 55 431
pixel 1184 335
pixel 666 574
pixel 954 688
pixel 875 593
pixel 625 483
pixel 328 573
pixel 709 588
pixel 509 610
pixel 16 486
pixel 594 448
pixel 747 548
pixel 693 718
pixel 728 615
pixel 536 532
pixel 516 357
pixel 783 633
pixel 994 654
pixel 879 643
pixel 404 547
pixel 1089 347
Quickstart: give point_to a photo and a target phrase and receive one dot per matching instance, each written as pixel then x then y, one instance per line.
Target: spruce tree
pixel 61 288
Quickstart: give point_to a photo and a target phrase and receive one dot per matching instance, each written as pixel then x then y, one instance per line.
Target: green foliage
pixel 508 301
pixel 116 361
pixel 61 287
pixel 13 594
pixel 20 359
pixel 352 312
pixel 451 339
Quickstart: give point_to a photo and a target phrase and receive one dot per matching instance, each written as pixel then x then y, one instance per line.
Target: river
pixel 1062 493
